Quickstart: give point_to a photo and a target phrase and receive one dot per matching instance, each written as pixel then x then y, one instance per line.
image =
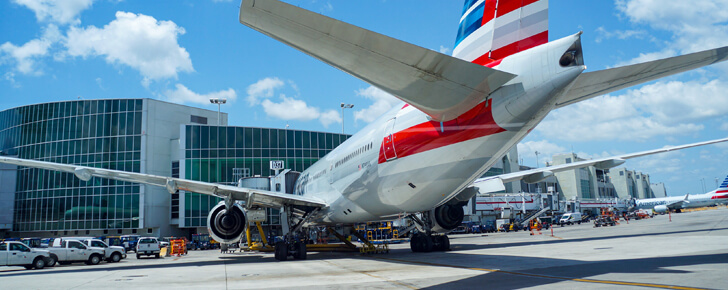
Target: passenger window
pixel 77 245
pixel 3 247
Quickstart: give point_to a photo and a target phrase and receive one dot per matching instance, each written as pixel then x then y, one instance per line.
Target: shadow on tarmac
pixel 580 270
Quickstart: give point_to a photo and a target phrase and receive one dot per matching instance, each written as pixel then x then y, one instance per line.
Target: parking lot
pixel 691 251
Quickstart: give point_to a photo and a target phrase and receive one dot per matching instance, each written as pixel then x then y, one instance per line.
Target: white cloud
pixel 660 109
pixel 136 40
pixel 182 95
pixel 620 34
pixel 57 11
pixel 264 88
pixel 294 109
pixel 383 102
pixel 445 50
pixel 527 150
pixel 26 56
pixel 696 25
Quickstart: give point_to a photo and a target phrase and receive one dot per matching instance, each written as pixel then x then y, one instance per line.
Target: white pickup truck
pixel 66 251
pixel 18 254
pixel 148 246
pixel 111 253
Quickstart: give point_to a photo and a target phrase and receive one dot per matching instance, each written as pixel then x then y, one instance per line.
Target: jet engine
pixel 226 226
pixel 661 209
pixel 447 217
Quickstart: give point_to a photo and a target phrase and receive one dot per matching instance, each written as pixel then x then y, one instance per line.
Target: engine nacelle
pixel 447 217
pixel 227 226
pixel 661 209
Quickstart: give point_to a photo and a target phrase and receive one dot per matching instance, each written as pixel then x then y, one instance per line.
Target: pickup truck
pixel 148 246
pixel 111 253
pixel 18 254
pixel 66 251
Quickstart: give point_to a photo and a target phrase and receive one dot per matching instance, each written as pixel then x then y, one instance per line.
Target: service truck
pixel 111 253
pixel 19 254
pixel 148 246
pixel 69 250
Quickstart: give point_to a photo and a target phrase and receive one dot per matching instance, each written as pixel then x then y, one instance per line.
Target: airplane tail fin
pixel 491 30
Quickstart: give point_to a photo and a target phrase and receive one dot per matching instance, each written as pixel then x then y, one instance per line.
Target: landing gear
pixel 426 240
pixel 423 243
pixel 294 236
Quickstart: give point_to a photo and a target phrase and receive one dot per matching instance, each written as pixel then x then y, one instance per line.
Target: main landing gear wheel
pixel 421 243
pixel 281 251
pixel 426 243
pixel 300 253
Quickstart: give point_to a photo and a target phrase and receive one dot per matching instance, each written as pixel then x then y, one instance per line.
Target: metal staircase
pixel 525 222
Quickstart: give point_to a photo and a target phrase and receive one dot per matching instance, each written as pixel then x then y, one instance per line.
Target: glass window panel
pixel 204 137
pixel 256 138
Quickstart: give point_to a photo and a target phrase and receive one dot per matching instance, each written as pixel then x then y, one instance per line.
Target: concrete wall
pixel 161 125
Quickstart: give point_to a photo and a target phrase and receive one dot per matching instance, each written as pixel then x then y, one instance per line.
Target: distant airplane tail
pixel 723 188
pixel 491 30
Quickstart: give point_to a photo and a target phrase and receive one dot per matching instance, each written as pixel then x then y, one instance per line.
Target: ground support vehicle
pixel 201 242
pixel 130 242
pixel 570 218
pixel 178 247
pixel 111 253
pixel 148 246
pixel 18 254
pixel 604 221
pixel 70 250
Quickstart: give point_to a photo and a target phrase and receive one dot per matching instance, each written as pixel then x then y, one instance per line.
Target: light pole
pixel 537 159
pixel 344 106
pixel 702 181
pixel 218 101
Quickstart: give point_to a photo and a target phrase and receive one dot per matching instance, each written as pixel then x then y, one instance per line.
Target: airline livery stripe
pixel 476 123
pixel 533 41
pixel 489 13
pixel 505 7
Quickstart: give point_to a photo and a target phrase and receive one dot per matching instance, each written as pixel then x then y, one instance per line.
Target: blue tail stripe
pixel 471 23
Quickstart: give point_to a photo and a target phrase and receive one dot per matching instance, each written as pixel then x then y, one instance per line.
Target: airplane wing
pixel 262 198
pixel 678 204
pixel 592 84
pixel 416 75
pixel 497 183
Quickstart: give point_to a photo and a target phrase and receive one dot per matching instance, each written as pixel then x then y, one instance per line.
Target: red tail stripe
pixel 477 122
pixel 521 45
pixel 722 191
pixel 489 11
pixel 508 6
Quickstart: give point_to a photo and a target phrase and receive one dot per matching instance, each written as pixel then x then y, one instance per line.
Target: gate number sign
pixel 276 164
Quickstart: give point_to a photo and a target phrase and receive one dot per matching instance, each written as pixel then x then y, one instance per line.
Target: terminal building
pixel 137 135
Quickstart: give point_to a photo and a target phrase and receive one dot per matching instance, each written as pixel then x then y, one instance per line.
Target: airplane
pixel 460 114
pixel 678 203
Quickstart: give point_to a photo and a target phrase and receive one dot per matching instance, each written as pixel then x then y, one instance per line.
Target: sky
pixel 186 52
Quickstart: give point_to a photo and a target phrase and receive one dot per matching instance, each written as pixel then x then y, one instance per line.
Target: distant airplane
pixel 678 203
pixel 461 114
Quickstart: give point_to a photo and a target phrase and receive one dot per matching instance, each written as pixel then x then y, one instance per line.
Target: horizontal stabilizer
pixel 592 84
pixel 442 86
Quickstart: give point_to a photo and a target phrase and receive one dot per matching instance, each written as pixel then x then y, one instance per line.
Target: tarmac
pixel 688 252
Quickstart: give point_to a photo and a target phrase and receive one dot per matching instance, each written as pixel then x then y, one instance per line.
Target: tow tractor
pixel 200 242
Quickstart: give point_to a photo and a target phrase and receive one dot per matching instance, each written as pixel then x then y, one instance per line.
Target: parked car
pixel 148 246
pixel 70 250
pixel 111 253
pixel 18 254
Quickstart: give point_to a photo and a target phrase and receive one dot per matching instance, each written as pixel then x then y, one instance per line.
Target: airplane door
pixel 388 144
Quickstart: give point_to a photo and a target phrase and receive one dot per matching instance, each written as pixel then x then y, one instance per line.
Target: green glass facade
pixel 211 154
pixel 93 133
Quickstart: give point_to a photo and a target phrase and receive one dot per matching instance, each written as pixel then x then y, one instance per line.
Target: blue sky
pixel 187 51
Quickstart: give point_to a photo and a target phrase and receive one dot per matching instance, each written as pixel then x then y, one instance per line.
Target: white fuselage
pixel 405 163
